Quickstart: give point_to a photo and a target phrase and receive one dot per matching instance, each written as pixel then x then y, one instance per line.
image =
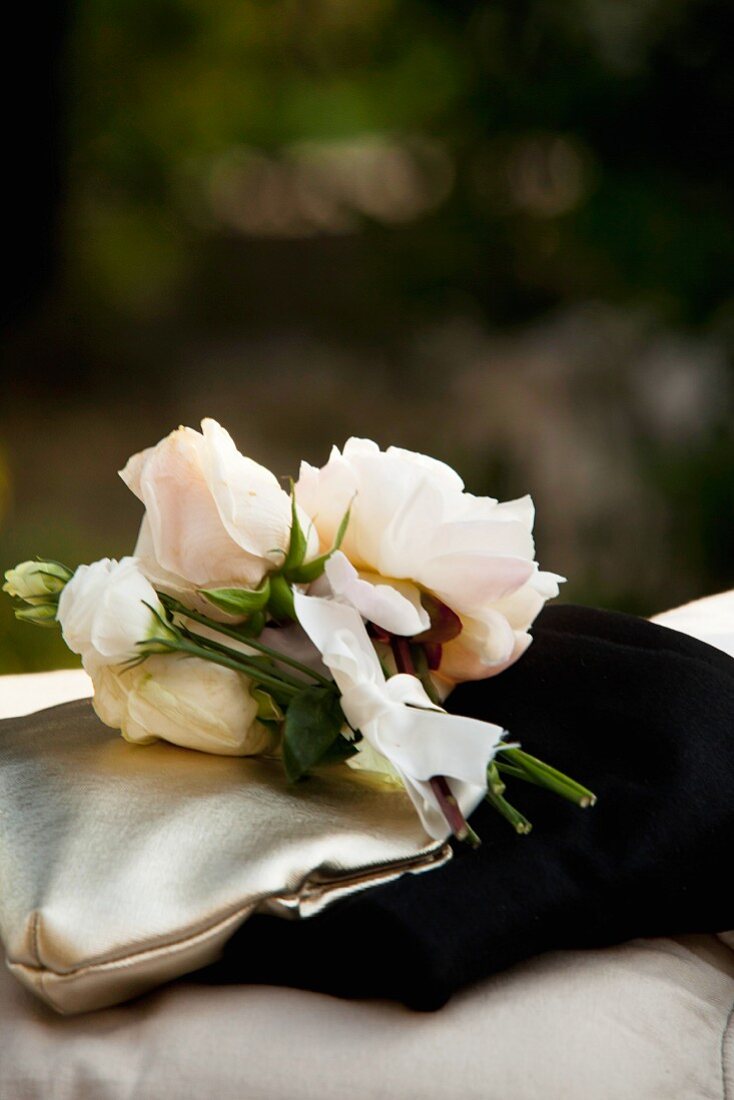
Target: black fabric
pixel 641 714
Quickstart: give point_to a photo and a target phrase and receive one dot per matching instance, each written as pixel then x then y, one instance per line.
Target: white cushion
pixel 640 1022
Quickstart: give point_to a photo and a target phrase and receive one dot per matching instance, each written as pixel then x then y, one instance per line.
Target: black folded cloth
pixel 642 715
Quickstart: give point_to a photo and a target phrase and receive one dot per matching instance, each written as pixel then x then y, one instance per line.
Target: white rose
pixel 106 609
pixel 414 529
pixel 185 700
pixel 213 518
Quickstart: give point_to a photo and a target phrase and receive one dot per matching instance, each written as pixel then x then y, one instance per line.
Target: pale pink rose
pixel 213 518
pixel 414 529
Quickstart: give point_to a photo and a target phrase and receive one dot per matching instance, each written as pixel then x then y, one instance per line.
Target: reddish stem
pixel 455 819
pixel 401 652
pixel 450 808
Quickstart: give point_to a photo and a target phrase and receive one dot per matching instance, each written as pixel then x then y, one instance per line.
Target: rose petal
pixel 484 648
pixel 470 581
pixel 325 494
pixel 502 538
pixel 395 607
pixel 186 528
pixel 253 507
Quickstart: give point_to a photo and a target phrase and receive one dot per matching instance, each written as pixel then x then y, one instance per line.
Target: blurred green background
pixel 498 232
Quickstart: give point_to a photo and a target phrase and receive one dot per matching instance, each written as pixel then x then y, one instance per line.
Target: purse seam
pixel 186 936
pixel 34 937
pixel 723 1046
pixel 42 970
pixel 123 960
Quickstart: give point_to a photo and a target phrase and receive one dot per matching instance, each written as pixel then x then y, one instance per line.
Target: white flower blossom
pixel 413 529
pixel 107 610
pixel 397 719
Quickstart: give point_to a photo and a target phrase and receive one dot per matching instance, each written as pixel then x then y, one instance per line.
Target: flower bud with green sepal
pixel 37 582
pixel 38 585
pixel 39 614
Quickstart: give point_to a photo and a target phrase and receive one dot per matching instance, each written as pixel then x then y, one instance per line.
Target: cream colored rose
pixel 185 700
pixel 413 529
pixel 213 518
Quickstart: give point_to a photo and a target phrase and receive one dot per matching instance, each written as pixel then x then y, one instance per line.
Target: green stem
pixel 553 780
pixel 518 821
pixel 252 662
pixel 253 671
pixel 422 671
pixel 517 773
pixel 231 632
pixel 494 779
pixel 528 777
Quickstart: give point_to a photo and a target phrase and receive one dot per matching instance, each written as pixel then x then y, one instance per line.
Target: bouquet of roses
pixel 325 625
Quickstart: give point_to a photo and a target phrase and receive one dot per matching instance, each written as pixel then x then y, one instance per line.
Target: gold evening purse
pixel 122 866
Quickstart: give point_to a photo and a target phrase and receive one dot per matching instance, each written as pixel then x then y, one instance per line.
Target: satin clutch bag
pixel 122 866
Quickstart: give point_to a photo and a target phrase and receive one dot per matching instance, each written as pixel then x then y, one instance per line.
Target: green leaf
pixel 304 574
pixel 313 722
pixel 298 542
pixel 238 601
pixel 339 751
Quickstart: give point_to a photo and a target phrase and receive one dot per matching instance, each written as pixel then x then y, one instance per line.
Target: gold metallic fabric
pixel 124 866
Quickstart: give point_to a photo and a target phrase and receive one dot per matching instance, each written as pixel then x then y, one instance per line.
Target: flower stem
pixel 400 647
pixel 543 775
pixel 231 632
pixel 256 662
pixel 517 773
pixel 255 672
pixel 422 671
pixel 451 810
pixel 518 821
pixel 494 779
